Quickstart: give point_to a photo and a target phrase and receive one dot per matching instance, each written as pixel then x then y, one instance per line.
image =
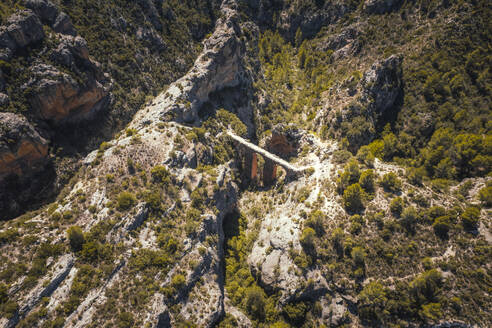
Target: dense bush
pixel 442 225
pixel 409 218
pixel 125 201
pixel 372 302
pixel 307 240
pixel 316 220
pixel 470 217
pixel 352 198
pixel 366 180
pixel 255 302
pixel 391 182
pixel 396 206
pixel 485 195
pixel 75 238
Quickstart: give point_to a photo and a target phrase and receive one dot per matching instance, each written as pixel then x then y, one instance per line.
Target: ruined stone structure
pixel 277 145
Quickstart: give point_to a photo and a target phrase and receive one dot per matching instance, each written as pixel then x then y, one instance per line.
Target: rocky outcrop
pixel 61 270
pixel 49 14
pixel 23 157
pixel 22 148
pixel 23 29
pixel 218 67
pixel 61 98
pixel 382 84
pixel 381 6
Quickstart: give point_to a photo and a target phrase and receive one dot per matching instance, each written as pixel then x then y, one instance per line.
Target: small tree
pixel 391 182
pixel 255 303
pixel 358 255
pixel 396 206
pixel 442 225
pixel 409 217
pixel 470 217
pixel 366 180
pixel 485 195
pixel 125 200
pixel 352 198
pixel 315 221
pixel 307 240
pixel 372 301
pixel 75 238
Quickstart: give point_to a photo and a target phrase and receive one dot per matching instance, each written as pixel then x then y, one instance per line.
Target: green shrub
pixel 391 182
pixel 307 240
pixel 366 180
pixel 255 302
pixel 296 313
pixel 352 198
pixel 8 236
pixel 159 174
pixel 409 217
pixel 178 281
pixel 442 225
pixel 125 201
pixel 153 199
pixel 315 221
pixel 372 302
pixel 426 287
pixel 470 217
pixel 415 175
pixel 396 206
pixel 358 255
pixel 365 156
pixel 431 311
pixel 125 320
pixel 76 238
pixel 485 196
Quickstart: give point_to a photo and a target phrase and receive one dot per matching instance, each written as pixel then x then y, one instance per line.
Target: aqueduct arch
pixel 278 146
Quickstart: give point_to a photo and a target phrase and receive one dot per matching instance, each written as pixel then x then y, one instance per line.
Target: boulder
pixel 45 9
pixel 72 51
pixel 51 15
pixel 60 98
pixel 382 84
pixel 63 24
pixel 23 29
pixel 381 6
pixel 22 148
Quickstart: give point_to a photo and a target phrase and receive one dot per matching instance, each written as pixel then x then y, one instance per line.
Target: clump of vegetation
pixel 352 198
pixel 470 217
pixel 125 201
pixel 76 238
pixel 391 182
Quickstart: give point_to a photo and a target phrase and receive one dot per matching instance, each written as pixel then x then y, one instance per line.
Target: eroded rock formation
pixel 22 29
pixel 22 148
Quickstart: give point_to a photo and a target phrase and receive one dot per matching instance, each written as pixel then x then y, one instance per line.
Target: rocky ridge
pixel 68 88
pixel 151 145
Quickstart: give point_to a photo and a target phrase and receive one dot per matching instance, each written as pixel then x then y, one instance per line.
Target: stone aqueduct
pixel 277 146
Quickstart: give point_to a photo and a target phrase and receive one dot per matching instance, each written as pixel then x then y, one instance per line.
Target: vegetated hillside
pixel 386 104
pixel 78 71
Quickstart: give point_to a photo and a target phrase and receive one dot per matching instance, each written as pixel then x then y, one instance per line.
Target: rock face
pixel 381 6
pixel 49 14
pixel 219 67
pixel 23 153
pixel 22 29
pixel 60 98
pixel 382 84
pixel 46 10
pixel 22 148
